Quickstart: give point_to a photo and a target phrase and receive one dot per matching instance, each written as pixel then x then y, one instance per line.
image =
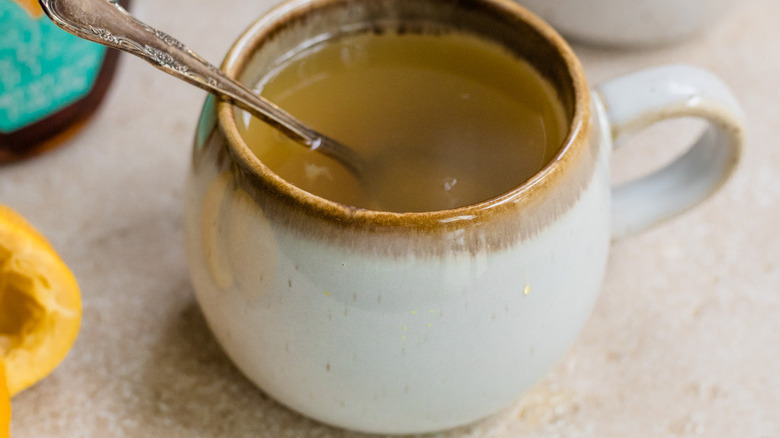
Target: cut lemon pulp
pixel 40 303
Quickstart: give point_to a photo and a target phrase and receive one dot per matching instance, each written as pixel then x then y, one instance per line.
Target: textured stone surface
pixel 683 341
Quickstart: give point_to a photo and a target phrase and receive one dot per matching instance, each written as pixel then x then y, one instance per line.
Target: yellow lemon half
pixel 5 405
pixel 40 303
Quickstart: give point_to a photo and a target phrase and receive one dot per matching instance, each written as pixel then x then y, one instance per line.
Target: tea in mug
pixel 444 120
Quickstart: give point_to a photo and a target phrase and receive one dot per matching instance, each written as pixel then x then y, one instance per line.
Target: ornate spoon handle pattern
pixel 108 23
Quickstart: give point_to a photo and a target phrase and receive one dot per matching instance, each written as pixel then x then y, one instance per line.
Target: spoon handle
pixel 108 23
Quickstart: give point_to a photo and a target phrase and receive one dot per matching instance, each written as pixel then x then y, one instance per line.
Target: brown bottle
pixel 50 80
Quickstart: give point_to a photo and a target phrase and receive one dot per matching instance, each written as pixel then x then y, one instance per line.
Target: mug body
pixel 397 322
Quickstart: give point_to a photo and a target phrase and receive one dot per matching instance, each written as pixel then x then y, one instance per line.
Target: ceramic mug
pixel 629 23
pixel 416 322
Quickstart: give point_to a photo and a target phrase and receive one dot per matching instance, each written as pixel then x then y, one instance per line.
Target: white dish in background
pixel 629 23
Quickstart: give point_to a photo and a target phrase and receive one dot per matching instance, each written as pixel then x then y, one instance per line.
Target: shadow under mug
pixel 416 322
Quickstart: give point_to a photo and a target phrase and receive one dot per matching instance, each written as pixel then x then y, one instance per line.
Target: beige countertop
pixel 684 340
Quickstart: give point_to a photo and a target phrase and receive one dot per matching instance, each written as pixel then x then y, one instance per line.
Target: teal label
pixel 42 68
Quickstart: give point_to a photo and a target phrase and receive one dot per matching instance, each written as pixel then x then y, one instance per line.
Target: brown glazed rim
pixel 528 192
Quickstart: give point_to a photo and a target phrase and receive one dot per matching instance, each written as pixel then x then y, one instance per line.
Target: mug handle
pixel 638 100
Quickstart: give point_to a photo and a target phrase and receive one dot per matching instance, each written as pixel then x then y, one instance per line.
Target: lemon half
pixel 5 405
pixel 40 303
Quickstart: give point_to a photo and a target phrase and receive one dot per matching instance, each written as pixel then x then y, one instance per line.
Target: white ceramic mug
pixel 415 322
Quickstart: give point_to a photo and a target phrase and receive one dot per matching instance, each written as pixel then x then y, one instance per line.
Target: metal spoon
pixel 106 22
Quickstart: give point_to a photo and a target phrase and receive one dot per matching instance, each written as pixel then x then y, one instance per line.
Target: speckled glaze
pixel 416 322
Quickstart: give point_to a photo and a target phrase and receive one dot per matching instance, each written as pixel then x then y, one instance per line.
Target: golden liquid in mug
pixel 444 120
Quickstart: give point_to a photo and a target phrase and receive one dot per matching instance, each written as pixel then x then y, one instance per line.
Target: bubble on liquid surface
pixel 449 184
pixel 352 54
pixel 315 172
